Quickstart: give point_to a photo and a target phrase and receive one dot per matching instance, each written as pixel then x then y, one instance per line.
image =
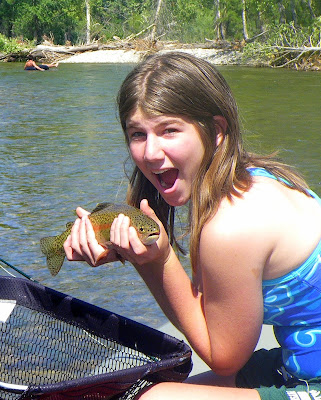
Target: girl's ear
pixel 220 127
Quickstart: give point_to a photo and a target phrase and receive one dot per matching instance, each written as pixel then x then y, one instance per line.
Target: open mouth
pixel 167 177
pixel 151 238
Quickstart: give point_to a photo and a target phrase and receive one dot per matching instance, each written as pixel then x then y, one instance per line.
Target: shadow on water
pixel 62 146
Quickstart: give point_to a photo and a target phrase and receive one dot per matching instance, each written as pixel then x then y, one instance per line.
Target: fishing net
pixel 54 346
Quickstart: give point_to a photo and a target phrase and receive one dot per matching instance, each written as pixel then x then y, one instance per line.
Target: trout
pixel 101 218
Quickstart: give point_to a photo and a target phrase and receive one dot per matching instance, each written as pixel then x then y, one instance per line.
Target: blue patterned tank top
pixel 292 303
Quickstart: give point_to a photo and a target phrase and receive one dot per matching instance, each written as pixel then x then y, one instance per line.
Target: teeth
pixel 163 184
pixel 161 172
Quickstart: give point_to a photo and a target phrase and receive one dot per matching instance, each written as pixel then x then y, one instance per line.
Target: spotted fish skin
pixel 101 219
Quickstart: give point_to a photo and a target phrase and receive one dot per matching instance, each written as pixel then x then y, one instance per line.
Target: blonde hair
pixel 181 84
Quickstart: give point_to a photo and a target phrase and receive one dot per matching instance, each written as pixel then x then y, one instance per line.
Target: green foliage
pixel 120 18
pixel 186 21
pixel 279 46
pixel 57 19
pixel 9 45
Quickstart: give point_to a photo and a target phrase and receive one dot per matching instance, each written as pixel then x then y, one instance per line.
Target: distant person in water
pixel 31 65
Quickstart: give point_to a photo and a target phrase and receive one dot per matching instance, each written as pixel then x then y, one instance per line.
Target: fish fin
pixel 105 253
pixel 54 263
pixel 55 256
pixel 100 206
pixel 46 244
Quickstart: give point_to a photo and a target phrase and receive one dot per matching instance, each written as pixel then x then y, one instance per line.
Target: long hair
pixel 181 84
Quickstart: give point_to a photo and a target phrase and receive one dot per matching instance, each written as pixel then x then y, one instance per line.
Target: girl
pixel 255 235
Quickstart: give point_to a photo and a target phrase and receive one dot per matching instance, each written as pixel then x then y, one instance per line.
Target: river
pixel 62 146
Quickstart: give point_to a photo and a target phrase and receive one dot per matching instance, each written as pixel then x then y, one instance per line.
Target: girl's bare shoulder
pixel 265 224
pixel 247 212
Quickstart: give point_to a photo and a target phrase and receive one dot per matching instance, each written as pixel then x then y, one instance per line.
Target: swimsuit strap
pixel 257 171
pixel 261 172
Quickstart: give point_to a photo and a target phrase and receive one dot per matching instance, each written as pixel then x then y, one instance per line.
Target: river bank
pixel 215 56
pixel 216 52
pixel 133 51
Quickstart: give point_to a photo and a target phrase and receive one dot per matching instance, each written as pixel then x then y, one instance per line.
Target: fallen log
pixel 304 57
pixel 43 49
pixel 304 49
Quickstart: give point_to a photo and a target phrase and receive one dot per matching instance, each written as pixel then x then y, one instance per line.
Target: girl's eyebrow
pixel 137 125
pixel 132 125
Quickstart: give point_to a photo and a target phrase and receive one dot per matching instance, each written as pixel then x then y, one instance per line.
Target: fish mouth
pixel 150 239
pixel 167 177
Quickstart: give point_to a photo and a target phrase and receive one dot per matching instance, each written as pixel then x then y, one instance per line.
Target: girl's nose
pixel 153 149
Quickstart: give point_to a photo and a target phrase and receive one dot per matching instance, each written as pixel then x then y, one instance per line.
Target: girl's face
pixel 168 150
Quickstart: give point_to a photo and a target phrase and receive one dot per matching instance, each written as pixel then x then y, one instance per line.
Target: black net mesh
pixel 58 358
pixel 38 349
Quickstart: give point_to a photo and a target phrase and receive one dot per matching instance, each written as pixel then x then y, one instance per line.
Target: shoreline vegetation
pixel 277 34
pixel 131 50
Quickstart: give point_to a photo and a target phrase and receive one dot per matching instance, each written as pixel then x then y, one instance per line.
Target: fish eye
pixel 141 229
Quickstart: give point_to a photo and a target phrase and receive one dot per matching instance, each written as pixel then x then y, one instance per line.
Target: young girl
pixel 255 235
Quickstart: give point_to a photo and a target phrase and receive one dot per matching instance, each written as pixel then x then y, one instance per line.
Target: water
pixel 62 146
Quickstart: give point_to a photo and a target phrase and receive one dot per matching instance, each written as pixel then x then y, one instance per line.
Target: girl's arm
pixel 223 321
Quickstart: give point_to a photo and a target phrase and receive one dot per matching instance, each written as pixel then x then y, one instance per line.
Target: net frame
pixel 57 347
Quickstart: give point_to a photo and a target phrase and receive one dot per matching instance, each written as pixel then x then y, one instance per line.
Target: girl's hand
pixel 81 244
pixel 127 243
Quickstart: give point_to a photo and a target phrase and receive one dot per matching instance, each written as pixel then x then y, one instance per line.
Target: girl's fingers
pixel 90 234
pixel 81 212
pixel 135 243
pixel 124 226
pixel 95 250
pixel 74 236
pixel 84 249
pixel 147 210
pixel 71 254
pixel 67 248
pixel 125 239
pixel 81 245
pixel 115 231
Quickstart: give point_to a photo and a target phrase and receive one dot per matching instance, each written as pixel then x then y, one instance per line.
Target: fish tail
pixel 55 254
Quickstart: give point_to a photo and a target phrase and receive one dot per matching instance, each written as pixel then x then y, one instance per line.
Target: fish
pixel 101 218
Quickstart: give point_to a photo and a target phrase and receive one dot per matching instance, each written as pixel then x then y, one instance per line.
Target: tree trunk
pixel 152 36
pixel 294 14
pixel 88 22
pixel 217 22
pixel 282 12
pixel 310 9
pixel 245 33
pixel 260 21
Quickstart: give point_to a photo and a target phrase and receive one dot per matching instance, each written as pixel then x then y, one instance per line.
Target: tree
pixel 88 21
pixel 80 21
pixel 309 4
pixel 218 21
pixel 245 33
pixel 159 4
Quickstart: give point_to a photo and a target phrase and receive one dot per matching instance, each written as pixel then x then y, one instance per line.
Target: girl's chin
pixel 173 198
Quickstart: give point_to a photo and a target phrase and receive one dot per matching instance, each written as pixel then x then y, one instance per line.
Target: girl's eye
pixel 136 135
pixel 170 130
